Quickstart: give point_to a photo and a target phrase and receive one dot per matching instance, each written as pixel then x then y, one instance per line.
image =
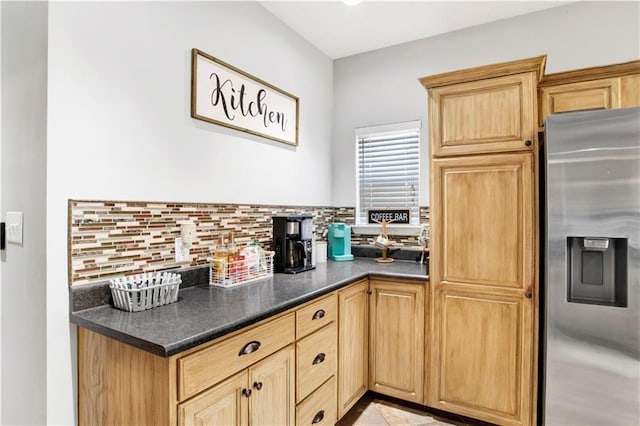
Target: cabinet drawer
pixel 315 316
pixel 202 369
pixel 315 360
pixel 320 407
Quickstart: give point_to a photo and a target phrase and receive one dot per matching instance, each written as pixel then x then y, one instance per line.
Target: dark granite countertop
pixel 204 312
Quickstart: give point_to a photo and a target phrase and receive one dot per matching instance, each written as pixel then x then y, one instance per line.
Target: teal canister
pixel 339 237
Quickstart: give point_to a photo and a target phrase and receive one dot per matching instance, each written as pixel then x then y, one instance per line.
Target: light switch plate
pixel 14 227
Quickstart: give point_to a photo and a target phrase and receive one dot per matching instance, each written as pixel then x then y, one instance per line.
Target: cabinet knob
pixel 319 358
pixel 246 392
pixel 528 293
pixel 249 348
pixel 318 417
pixel 369 292
pixel 528 143
pixel 257 385
pixel 319 314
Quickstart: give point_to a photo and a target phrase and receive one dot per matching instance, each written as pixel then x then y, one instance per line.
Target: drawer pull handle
pixel 246 392
pixel 318 417
pixel 319 358
pixel 319 314
pixel 249 348
pixel 257 385
pixel 527 143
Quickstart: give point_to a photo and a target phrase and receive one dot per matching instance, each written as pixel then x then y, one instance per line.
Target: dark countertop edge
pixel 121 337
pixel 170 350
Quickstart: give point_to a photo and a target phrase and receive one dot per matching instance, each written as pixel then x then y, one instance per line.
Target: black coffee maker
pixel 293 243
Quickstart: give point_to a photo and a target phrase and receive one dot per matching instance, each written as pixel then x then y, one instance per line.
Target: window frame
pixel 380 130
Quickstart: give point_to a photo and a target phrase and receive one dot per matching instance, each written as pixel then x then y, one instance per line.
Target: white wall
pixel 1 261
pixel 382 86
pixel 119 127
pixel 23 146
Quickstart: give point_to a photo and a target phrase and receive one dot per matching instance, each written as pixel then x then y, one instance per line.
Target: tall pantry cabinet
pixel 484 301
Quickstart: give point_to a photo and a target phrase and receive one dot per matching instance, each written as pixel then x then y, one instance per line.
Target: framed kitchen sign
pixel 224 95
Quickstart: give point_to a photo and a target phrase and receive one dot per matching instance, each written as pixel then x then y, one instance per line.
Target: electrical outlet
pixel 182 251
pixel 14 227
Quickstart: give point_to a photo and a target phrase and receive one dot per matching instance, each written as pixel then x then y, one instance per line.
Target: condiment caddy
pixel 232 265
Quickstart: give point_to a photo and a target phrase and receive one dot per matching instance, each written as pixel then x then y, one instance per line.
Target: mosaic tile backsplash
pixel 115 238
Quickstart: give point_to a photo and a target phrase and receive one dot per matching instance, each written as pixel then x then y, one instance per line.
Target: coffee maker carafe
pixel 292 243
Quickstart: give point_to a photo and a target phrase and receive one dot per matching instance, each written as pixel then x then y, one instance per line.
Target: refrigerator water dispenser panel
pixel 597 271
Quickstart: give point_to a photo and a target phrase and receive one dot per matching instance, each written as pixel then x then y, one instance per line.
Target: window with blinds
pixel 388 169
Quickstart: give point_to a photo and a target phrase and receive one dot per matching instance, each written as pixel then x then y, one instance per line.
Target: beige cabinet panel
pixel 584 95
pixel 485 354
pixel 609 86
pixel 320 407
pixel 483 233
pixel 199 370
pixel 353 345
pixel 483 351
pixel 396 339
pixel 316 315
pixel 224 404
pixel 108 392
pixel 272 383
pixel 492 115
pixel 630 91
pixel 316 360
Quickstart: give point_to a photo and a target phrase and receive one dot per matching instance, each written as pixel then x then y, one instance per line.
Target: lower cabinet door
pixel 353 345
pixel 320 407
pixel 484 349
pixel 272 384
pixel 396 339
pixel 223 404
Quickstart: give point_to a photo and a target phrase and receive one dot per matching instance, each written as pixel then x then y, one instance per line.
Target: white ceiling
pixel 340 30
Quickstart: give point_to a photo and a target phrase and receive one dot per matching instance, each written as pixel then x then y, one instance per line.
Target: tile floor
pixel 372 411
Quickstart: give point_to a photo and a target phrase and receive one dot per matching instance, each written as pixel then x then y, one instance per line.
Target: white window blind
pixel 388 169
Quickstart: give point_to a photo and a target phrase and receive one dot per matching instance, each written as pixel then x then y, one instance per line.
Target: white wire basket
pixel 145 291
pixel 225 273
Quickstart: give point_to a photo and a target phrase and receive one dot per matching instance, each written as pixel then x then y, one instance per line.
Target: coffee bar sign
pixel 400 216
pixel 224 95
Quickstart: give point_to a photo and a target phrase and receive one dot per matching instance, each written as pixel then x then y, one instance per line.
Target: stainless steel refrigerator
pixel 591 322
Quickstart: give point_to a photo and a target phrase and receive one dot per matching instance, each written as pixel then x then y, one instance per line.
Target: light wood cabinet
pixel 320 407
pixel 197 372
pixel 396 339
pixel 353 345
pixel 484 236
pixel 487 109
pixel 485 354
pixel 272 384
pixel 609 87
pixel 316 315
pixel 484 337
pixel 603 93
pixel 263 374
pixel 110 371
pixel 316 360
pixel 259 395
pixel 484 254
pixel 224 404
